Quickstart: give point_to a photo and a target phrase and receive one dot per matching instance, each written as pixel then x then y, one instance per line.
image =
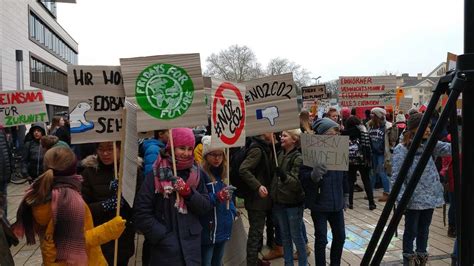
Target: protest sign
pixel 314 92
pixel 367 91
pixel 271 104
pixel 168 89
pixel 227 114
pixel 130 153
pixel 331 150
pixel 22 108
pixel 405 104
pixel 96 101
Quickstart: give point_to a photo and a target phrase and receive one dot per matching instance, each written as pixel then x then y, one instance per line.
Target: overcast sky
pixel 330 38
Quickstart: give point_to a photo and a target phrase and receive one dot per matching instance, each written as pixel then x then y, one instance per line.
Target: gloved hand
pixel 280 173
pixel 346 201
pixel 113 186
pixel 110 204
pixel 115 227
pixel 225 193
pixel 319 170
pixel 181 187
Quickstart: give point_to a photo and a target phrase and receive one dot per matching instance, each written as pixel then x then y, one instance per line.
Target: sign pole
pixel 227 174
pixel 274 150
pixel 175 172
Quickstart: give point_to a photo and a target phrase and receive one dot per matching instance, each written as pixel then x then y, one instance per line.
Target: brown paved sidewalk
pixel 360 223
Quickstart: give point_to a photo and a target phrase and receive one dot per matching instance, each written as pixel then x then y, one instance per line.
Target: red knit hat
pixel 181 137
pixel 345 112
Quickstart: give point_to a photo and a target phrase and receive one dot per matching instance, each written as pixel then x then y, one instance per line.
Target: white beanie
pixel 379 112
pixel 400 118
pixel 206 146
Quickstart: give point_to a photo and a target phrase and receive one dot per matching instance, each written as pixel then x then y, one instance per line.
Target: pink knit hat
pixel 182 137
pixel 345 112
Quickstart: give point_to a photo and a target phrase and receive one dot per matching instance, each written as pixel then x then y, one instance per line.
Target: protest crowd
pixel 187 217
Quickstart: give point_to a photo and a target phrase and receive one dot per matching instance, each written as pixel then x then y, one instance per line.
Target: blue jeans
pixel 336 221
pixel 289 221
pixel 278 235
pixel 211 255
pixel 417 226
pixel 378 161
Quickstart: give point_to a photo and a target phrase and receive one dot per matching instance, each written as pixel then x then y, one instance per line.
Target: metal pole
pixel 440 89
pixel 458 84
pixel 453 129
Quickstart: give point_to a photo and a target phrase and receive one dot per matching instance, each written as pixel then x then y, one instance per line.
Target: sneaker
pixel 17 179
pixel 276 252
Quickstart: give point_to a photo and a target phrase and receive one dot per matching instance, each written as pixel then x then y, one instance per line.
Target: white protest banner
pixel 367 91
pixel 130 154
pixel 331 150
pixel 96 101
pixel 271 104
pixel 227 114
pixel 22 108
pixel 168 89
pixel 314 92
pixel 405 104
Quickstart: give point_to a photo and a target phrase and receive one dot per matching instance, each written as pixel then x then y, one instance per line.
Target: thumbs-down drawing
pixel 270 113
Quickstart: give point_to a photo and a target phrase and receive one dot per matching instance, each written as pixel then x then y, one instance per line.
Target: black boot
pixel 409 259
pixel 421 259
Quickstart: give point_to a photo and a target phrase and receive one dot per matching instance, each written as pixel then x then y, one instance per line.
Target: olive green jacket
pixel 290 192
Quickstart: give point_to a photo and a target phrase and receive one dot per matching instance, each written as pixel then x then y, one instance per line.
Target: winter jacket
pixel 95 190
pixel 94 236
pixel 390 138
pixel 175 238
pixel 359 134
pixel 151 148
pixel 32 160
pixel 217 223
pixel 5 160
pixel 289 193
pixel 257 170
pixel 428 193
pixel 331 189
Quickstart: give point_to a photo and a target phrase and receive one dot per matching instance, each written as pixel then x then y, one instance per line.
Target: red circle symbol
pixel 219 98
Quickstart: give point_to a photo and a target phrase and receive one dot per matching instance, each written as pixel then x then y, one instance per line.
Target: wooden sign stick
pixel 175 172
pixel 227 174
pixel 274 150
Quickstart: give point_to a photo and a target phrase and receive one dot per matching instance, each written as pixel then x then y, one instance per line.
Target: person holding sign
pixel 217 224
pixel 170 222
pixel 288 197
pixel 99 190
pixel 327 195
pixel 54 210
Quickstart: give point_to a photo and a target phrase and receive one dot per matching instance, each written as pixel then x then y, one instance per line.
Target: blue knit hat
pixel 323 125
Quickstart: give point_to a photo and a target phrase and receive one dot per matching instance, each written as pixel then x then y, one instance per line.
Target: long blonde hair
pixel 207 168
pixel 59 159
pixel 305 122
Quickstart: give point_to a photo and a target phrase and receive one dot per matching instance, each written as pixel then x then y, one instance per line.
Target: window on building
pixel 50 6
pixel 44 76
pixel 49 40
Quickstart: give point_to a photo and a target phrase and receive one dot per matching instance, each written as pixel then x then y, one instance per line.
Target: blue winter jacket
pixel 331 189
pixel 217 223
pixel 151 149
pixel 429 191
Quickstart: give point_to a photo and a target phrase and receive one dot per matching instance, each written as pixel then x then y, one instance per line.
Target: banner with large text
pixel 367 91
pixel 331 150
pixel 227 114
pixel 271 104
pixel 168 89
pixel 22 108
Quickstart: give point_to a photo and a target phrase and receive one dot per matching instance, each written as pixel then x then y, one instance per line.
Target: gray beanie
pixel 412 111
pixel 323 125
pixel 414 121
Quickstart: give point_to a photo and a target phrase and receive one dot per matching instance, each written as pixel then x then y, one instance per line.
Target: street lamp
pixel 316 79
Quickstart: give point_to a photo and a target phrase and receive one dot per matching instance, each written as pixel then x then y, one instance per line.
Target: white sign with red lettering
pixel 367 91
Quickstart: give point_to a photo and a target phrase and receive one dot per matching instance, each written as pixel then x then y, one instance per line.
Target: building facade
pixel 29 31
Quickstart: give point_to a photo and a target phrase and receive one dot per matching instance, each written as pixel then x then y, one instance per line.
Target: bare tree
pixel 237 63
pixel 279 65
pixel 331 88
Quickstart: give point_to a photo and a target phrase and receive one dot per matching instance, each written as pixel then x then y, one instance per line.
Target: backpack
pixel 356 155
pixel 237 156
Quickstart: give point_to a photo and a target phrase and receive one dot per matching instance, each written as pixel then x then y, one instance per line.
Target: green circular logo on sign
pixel 164 91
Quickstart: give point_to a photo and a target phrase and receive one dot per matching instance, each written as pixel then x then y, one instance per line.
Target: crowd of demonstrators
pixel 427 196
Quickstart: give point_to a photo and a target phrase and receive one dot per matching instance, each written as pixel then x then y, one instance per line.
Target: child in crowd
pixel 288 197
pixel 427 195
pixel 217 224
pixel 168 207
pixel 54 210
pixel 327 196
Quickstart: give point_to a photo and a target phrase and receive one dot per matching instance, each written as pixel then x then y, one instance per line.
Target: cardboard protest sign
pixel 331 150
pixel 22 108
pixel 405 104
pixel 130 154
pixel 367 91
pixel 227 114
pixel 96 101
pixel 271 104
pixel 168 89
pixel 314 92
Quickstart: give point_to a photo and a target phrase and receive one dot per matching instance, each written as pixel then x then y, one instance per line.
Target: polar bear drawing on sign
pixel 78 120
